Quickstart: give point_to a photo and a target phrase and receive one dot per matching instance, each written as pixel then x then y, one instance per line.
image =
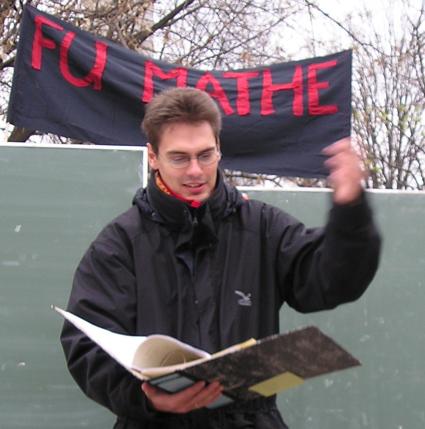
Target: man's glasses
pixel 183 160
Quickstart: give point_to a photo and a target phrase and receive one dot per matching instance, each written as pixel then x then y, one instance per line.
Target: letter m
pixel 151 70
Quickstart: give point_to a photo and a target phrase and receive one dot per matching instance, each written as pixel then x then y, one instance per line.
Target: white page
pixel 165 351
pixel 138 352
pixel 121 347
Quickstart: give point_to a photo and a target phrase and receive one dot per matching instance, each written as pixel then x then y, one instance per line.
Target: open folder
pixel 246 371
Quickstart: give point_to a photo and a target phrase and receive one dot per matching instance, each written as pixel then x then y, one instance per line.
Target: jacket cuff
pixel 351 217
pixel 149 412
pixel 142 410
pixel 137 408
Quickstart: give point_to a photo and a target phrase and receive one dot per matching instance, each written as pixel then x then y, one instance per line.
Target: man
pixel 177 262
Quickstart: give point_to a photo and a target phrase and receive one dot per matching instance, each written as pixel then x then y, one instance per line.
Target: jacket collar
pixel 176 214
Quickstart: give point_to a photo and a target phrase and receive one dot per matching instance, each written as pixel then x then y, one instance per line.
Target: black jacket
pixel 163 267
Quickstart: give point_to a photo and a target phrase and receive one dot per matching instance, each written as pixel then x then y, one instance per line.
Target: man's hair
pixel 179 105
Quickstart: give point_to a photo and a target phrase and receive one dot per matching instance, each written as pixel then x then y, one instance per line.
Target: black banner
pixel 276 119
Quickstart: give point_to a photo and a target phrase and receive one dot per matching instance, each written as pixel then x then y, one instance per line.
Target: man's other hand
pixel 345 171
pixel 197 396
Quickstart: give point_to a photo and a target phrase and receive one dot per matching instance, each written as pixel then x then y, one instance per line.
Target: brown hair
pixel 187 105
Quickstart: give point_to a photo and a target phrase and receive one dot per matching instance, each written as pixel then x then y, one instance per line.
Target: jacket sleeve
pixel 103 293
pixel 319 269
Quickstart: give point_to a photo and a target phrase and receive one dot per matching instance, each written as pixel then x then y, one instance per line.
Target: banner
pixel 276 118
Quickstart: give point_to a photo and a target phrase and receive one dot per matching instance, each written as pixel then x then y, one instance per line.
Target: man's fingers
pixel 345 171
pixel 169 402
pixel 207 395
pixel 346 160
pixel 191 398
pixel 341 158
pixel 156 396
pixel 337 147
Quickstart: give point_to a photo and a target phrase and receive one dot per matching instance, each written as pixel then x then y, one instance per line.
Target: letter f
pixel 40 41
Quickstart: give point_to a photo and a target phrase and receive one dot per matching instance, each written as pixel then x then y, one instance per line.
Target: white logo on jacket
pixel 245 299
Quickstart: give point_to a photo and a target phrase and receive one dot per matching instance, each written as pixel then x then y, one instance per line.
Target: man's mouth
pixel 194 186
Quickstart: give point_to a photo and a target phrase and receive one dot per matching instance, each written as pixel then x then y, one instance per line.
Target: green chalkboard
pixel 52 204
pixel 385 329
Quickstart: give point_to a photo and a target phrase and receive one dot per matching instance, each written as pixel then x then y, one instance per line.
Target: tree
pixel 388 89
pixel 417 30
pixel 388 105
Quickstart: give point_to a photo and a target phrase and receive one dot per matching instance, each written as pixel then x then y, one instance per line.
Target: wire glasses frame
pixel 183 160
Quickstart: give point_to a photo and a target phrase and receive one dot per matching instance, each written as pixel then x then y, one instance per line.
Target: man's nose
pixel 194 168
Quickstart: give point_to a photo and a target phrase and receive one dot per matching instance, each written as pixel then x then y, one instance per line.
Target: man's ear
pixel 152 157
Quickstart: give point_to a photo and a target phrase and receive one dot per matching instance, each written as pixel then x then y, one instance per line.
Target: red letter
pixel 94 76
pixel 313 90
pixel 243 105
pixel 40 42
pixel 151 69
pixel 217 93
pixel 269 88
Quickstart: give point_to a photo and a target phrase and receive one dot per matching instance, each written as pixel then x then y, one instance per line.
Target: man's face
pixel 193 180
